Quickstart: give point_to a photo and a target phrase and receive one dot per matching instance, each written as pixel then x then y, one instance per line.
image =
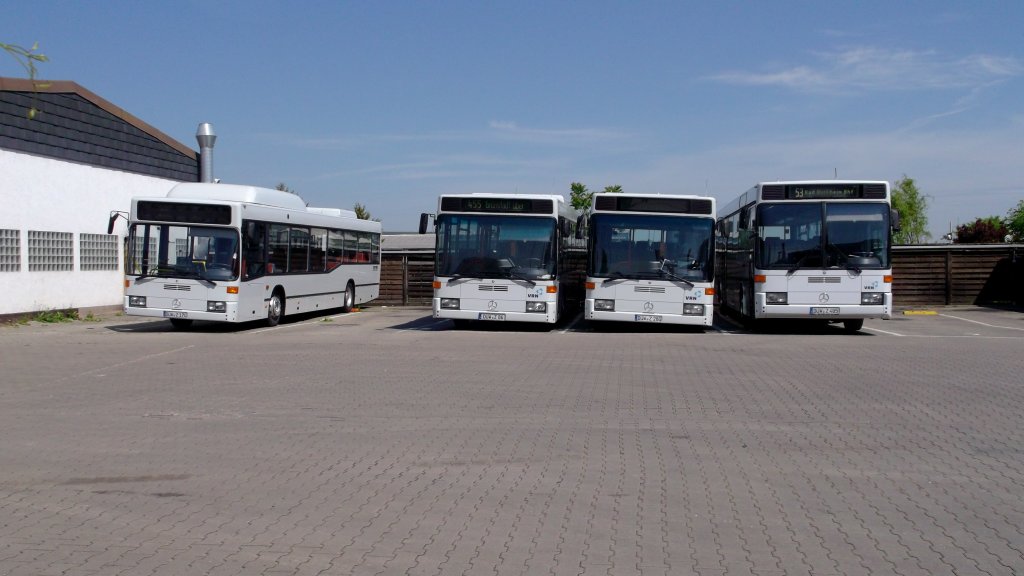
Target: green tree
pixel 1015 222
pixel 362 213
pixel 27 58
pixel 913 209
pixel 991 230
pixel 581 197
pixel 284 188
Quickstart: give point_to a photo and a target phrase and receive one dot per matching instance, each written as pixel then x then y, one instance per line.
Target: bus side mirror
pixel 424 219
pixel 894 217
pixel 113 218
pixel 566 226
pixel 581 226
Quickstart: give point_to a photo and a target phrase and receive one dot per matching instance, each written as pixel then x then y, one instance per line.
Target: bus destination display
pixel 653 204
pixel 498 205
pixel 823 191
pixel 184 213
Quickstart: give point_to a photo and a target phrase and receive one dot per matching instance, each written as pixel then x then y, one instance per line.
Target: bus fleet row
pixel 809 249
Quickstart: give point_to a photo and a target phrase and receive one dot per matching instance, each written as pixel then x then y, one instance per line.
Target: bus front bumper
pixel 229 315
pixel 825 311
pixel 549 317
pixel 646 318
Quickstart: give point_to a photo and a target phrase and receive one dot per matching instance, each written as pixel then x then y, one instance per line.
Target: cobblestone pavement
pixel 385 442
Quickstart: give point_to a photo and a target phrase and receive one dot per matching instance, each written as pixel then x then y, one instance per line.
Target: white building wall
pixel 44 194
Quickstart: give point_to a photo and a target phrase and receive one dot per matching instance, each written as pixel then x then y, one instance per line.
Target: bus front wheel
pixel 275 309
pixel 853 325
pixel 180 323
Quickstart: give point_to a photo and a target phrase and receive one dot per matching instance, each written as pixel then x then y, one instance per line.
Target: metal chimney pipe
pixel 206 138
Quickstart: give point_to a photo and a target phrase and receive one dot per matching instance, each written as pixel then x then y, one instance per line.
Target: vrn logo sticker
pixel 536 293
pixel 871 286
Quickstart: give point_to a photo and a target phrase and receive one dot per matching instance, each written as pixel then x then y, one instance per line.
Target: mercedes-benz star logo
pixel 176 304
pixel 648 306
pixel 492 305
pixel 823 297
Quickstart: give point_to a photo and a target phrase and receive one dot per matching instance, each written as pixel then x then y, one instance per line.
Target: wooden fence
pixel 406 279
pixel 991 274
pixel 922 276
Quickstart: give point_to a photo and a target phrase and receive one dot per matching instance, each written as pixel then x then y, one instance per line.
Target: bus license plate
pixel 489 316
pixel 824 311
pixel 647 318
pixel 175 314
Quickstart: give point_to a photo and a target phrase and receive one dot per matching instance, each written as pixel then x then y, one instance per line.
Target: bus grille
pixel 824 279
pixel 492 288
pixel 649 289
pixel 181 287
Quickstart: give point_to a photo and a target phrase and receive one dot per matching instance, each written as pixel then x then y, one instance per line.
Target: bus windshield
pixel 495 246
pixel 639 246
pixel 823 235
pixel 175 251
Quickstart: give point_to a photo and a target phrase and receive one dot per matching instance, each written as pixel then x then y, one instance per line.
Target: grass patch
pixel 56 316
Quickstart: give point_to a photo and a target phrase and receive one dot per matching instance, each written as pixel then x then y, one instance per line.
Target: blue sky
pixel 391 103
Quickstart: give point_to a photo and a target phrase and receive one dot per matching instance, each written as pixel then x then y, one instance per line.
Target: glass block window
pixel 50 251
pixel 97 252
pixel 10 250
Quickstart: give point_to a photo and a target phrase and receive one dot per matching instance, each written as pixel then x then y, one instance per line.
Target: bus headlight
pixel 873 298
pixel 450 303
pixel 604 305
pixel 539 307
pixel 776 298
pixel 693 309
pixel 215 306
pixel 137 301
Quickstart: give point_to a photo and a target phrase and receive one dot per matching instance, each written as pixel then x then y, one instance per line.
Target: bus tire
pixel 852 326
pixel 275 308
pixel 181 323
pixel 350 298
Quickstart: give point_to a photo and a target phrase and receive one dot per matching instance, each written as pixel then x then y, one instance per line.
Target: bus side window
pixel 254 249
pixel 335 248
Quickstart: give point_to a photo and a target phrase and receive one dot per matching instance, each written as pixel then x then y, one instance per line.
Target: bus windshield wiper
pixel 461 277
pixel 518 276
pixel 198 276
pixel 846 258
pixel 615 276
pixel 666 270
pixel 798 264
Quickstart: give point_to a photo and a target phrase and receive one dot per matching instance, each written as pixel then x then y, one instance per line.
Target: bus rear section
pixel 505 258
pixel 651 259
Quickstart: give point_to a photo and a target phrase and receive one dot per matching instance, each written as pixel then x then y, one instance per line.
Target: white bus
pixel 506 258
pixel 234 253
pixel 817 249
pixel 651 259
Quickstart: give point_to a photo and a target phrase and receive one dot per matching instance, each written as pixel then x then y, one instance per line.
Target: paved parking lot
pixel 385 442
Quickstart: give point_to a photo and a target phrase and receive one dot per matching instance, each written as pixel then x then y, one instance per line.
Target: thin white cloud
pixel 507 130
pixel 966 174
pixel 883 69
pixel 497 131
pixel 449 166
